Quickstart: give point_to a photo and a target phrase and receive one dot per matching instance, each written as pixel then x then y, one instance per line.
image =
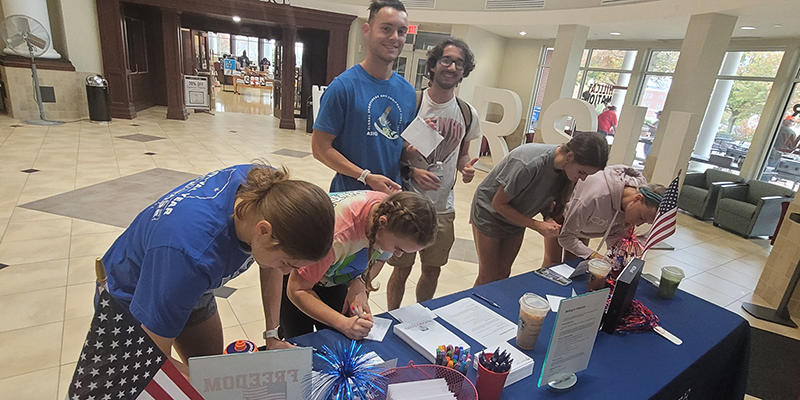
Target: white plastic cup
pixel 670 279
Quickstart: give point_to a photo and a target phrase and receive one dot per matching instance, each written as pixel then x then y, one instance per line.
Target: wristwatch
pixel 272 333
pixel 363 177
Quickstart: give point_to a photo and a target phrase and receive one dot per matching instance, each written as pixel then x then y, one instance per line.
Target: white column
pixel 564 66
pixel 618 98
pixel 36 9
pixel 716 106
pixel 702 51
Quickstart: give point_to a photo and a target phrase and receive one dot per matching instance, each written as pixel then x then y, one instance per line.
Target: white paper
pixel 575 331
pixel 478 321
pixel 426 336
pixel 563 270
pixel 420 135
pixel 554 302
pixel 413 313
pixel 379 328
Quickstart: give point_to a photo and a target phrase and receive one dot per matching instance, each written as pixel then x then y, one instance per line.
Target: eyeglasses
pixel 447 61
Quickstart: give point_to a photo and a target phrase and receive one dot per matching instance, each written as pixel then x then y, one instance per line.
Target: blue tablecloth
pixel 711 363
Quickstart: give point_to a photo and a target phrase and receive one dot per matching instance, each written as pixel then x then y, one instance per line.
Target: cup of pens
pixel 492 373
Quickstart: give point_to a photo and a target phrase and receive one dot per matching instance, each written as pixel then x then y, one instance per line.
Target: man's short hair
pixel 437 53
pixel 377 5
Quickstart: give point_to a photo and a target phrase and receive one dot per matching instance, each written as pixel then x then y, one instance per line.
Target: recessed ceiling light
pixel 615 34
pixel 236 18
pixel 523 33
pixel 777 26
pixel 748 28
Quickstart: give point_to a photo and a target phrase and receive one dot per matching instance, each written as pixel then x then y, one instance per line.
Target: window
pixel 219 44
pixel 737 101
pixel 657 81
pixel 782 164
pixel 537 96
pixel 136 41
pixel 602 71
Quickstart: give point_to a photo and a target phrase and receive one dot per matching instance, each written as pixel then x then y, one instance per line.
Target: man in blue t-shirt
pixel 364 110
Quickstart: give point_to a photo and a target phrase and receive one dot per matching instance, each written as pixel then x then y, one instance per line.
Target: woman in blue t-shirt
pixel 165 266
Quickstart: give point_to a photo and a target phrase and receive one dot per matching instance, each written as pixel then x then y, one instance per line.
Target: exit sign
pixel 412 29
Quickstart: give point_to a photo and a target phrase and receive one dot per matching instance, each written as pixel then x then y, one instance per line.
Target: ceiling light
pixel 523 33
pixel 777 26
pixel 236 18
pixel 615 34
pixel 748 28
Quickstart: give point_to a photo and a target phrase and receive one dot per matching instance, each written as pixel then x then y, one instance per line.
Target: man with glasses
pixel 457 122
pixel 364 110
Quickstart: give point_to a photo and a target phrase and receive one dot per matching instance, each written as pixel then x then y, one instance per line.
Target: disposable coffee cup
pixel 598 271
pixel 532 310
pixel 670 279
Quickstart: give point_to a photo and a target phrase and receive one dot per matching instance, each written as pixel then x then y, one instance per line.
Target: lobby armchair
pixel 699 191
pixel 752 209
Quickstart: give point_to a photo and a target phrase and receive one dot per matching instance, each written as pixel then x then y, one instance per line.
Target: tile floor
pixel 46 290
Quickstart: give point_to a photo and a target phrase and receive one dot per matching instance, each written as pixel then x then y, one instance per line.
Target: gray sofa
pixel 698 194
pixel 752 209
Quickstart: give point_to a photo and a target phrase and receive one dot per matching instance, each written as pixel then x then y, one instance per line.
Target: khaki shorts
pixel 436 254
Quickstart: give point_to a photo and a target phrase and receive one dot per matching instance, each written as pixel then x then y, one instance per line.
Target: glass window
pixel 538 94
pixel 607 59
pixel 782 166
pixel 755 63
pixel 224 43
pixel 663 61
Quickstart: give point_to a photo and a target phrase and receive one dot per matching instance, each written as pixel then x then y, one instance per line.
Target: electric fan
pixel 27 37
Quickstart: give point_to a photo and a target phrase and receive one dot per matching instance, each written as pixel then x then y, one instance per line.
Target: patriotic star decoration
pixel 107 371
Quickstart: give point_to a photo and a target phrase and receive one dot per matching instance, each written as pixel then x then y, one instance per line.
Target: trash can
pixel 97 96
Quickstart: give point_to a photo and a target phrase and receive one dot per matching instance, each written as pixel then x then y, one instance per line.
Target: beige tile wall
pixel 70 91
pixel 782 262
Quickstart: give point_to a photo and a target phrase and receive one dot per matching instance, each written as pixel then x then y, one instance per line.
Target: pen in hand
pixel 353 308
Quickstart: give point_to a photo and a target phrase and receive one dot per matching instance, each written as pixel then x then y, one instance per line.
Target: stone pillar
pixel 36 9
pixel 716 106
pixel 173 61
pixel 781 263
pixel 564 66
pixel 704 45
pixel 287 77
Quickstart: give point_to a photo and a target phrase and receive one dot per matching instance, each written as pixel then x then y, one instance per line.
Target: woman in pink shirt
pixel 370 228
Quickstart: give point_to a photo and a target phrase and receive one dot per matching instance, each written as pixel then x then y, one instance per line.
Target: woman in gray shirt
pixel 532 179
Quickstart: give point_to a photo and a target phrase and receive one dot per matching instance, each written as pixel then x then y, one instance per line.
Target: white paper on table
pixel 554 301
pixel 379 328
pixel 420 135
pixel 413 313
pixel 573 292
pixel 563 270
pixel 478 321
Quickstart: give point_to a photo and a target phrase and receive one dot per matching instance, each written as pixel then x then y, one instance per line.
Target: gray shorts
pixel 487 223
pixel 205 308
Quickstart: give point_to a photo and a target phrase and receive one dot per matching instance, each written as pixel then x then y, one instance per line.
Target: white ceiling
pixel 635 20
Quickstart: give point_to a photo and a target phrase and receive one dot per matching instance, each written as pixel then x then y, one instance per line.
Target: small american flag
pixel 666 217
pixel 270 391
pixel 120 361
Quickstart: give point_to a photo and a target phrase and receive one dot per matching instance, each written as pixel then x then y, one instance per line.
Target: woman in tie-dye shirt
pixel 370 228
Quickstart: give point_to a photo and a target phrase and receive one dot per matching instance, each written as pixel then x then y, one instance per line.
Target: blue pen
pixel 491 303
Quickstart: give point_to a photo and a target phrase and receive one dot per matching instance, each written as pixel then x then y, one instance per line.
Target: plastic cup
pixel 489 384
pixel 532 310
pixel 670 279
pixel 598 271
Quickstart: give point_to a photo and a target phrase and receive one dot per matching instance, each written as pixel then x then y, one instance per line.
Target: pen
pixel 356 311
pixel 491 303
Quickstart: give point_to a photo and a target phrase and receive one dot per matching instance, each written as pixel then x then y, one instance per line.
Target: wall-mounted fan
pixel 27 37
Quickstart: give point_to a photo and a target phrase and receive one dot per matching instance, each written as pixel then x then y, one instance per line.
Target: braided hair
pixel 408 215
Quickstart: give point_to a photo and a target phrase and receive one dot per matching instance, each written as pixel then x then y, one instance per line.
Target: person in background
pixel 607 121
pixel 166 265
pixel 786 141
pixel 532 179
pixel 364 110
pixel 607 203
pixel 243 60
pixel 648 144
pixel 370 227
pixel 448 64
